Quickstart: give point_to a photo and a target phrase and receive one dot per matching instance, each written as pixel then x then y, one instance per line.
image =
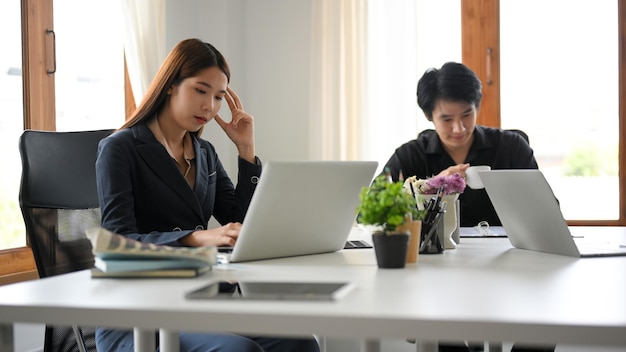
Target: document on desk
pixel 272 290
pixel 118 256
pixel 482 231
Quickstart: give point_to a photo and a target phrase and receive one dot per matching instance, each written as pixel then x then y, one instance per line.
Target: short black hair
pixel 453 81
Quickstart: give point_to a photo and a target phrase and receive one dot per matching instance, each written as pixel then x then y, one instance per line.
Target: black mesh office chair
pixel 59 201
pixel 522 134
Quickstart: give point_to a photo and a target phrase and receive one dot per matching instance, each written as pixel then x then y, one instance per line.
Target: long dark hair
pixel 186 59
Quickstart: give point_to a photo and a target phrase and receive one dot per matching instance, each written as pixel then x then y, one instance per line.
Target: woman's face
pixel 196 100
pixel 454 122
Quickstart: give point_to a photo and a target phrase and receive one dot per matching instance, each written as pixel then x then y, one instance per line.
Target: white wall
pixel 268 46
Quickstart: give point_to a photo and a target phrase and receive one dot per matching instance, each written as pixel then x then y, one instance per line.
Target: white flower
pixel 416 186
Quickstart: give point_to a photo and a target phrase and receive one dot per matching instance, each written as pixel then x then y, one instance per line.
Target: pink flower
pixel 451 184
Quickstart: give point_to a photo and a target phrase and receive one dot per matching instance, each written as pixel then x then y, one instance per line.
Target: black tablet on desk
pixel 272 290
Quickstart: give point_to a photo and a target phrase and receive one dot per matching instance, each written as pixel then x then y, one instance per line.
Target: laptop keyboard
pixel 349 245
pixel 356 244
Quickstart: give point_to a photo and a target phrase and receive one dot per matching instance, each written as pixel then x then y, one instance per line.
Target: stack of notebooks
pixel 119 257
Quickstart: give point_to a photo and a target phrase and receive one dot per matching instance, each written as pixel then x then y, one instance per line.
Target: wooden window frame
pixel 480 26
pixel 18 264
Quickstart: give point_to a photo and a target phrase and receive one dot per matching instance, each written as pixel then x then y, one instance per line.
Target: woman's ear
pixel 172 89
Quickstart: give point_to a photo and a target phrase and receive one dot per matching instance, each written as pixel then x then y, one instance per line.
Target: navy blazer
pixel 144 196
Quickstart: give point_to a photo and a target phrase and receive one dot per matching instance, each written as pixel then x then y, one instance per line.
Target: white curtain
pixel 144 42
pixel 405 37
pixel 339 30
pixel 392 77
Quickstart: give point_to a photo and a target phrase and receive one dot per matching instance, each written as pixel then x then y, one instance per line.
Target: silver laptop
pixel 531 216
pixel 300 208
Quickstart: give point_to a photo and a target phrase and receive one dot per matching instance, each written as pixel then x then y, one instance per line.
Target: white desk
pixel 484 290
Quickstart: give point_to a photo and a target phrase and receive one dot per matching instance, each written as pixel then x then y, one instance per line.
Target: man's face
pixel 454 122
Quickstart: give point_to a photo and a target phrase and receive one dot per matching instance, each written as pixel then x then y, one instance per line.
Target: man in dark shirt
pixel 450 98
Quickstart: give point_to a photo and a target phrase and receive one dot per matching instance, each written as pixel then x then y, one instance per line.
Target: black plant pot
pixel 391 249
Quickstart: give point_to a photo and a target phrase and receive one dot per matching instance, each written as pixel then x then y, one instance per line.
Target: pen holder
pixel 456 234
pixel 431 241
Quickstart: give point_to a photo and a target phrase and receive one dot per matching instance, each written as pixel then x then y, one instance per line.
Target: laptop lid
pixel 302 207
pixel 531 216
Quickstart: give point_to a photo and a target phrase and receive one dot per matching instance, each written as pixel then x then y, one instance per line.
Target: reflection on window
pixel 560 85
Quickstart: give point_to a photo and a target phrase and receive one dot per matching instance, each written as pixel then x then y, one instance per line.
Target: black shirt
pixel 425 157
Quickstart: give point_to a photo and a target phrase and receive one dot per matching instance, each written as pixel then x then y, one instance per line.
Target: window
pixel 86 50
pixel 560 84
pixel 558 81
pixel 11 124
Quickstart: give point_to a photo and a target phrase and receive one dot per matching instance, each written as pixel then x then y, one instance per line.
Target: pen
pixel 439 195
pixel 431 232
pixel 417 202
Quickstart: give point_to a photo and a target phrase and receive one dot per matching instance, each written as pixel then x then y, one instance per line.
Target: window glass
pixel 560 85
pixel 11 124
pixel 89 87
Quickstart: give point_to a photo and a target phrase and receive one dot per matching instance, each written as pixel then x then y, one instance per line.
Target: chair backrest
pixel 59 201
pixel 520 132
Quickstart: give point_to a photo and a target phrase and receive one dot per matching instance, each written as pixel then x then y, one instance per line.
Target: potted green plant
pixel 388 206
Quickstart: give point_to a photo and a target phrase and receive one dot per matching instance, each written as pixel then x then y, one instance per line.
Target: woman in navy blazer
pixel 159 182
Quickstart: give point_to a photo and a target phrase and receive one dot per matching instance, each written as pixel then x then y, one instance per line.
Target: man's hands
pixel 460 168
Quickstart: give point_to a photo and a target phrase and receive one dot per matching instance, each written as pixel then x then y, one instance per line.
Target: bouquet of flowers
pixel 434 195
pixel 450 184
